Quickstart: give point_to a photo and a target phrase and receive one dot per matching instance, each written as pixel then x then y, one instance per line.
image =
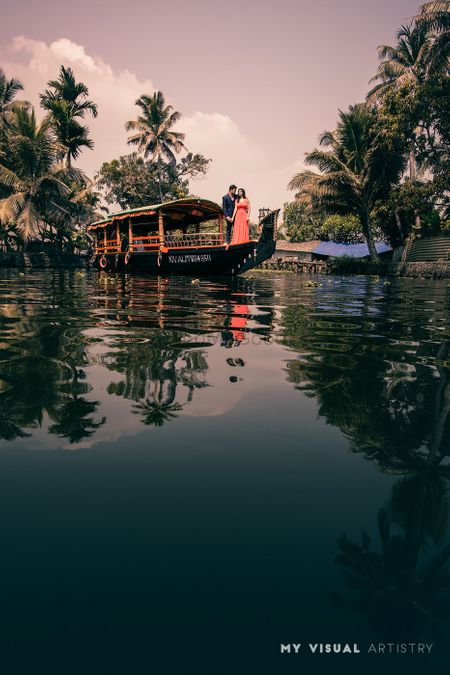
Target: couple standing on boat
pixel 237 215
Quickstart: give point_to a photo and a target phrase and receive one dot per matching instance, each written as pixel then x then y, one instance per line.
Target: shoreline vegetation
pixel 381 174
pixel 439 269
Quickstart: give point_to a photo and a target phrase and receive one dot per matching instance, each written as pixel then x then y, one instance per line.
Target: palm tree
pixel 72 135
pixel 36 183
pixel 355 170
pixel 153 132
pixel 435 18
pixel 67 102
pixel 8 91
pixel 405 64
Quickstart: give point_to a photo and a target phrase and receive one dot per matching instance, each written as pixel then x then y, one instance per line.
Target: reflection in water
pixel 154 332
pixel 153 370
pixel 42 375
pixel 379 369
pixel 81 354
pixel 404 589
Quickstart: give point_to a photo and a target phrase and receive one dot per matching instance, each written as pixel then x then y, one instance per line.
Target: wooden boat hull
pixel 195 261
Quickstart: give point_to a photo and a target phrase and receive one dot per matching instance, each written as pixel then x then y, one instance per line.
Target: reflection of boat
pixel 185 236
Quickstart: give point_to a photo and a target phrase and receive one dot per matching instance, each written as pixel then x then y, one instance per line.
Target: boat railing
pixel 144 243
pixel 198 239
pixel 108 246
pixel 141 244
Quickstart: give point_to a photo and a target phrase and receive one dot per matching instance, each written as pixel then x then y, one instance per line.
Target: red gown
pixel 240 227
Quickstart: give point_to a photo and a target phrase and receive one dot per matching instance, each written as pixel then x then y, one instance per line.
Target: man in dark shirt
pixel 228 201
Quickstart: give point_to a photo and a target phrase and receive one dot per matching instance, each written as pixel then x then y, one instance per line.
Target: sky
pixel 256 81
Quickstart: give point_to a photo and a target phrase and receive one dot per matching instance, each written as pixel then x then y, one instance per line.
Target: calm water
pixel 193 472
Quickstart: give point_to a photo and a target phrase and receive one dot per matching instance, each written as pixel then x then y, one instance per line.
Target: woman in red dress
pixel 241 217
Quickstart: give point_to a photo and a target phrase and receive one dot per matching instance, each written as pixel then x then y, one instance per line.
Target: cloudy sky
pixel 256 81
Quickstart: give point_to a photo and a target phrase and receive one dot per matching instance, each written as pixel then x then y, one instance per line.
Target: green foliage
pixel 45 199
pixel 37 186
pixel 410 205
pixel 66 102
pixel 357 169
pixel 130 181
pixel 343 229
pixel 300 225
pixel 348 265
pixel 154 136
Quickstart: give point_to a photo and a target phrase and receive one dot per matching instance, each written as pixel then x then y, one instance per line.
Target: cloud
pixel 34 63
pixel 236 158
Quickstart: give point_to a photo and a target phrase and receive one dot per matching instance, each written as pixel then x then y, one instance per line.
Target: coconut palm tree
pixel 72 135
pixel 400 66
pixel 37 184
pixel 8 91
pixel 67 103
pixel 435 18
pixel 404 64
pixel 153 132
pixel 355 172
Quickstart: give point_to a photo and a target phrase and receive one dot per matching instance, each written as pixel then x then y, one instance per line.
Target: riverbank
pixel 439 269
pixel 50 259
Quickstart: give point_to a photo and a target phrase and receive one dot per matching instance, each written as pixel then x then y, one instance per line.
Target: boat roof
pixel 194 208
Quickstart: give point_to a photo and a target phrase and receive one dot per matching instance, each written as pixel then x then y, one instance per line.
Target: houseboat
pixel 186 236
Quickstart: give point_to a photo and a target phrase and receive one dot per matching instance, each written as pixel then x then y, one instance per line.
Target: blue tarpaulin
pixel 335 250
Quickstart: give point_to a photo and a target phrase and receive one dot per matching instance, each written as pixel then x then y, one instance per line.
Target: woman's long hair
pixel 243 196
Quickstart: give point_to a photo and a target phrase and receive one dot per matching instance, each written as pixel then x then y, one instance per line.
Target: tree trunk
pixel 413 178
pixel 398 222
pixel 368 235
pixel 159 183
pixel 412 164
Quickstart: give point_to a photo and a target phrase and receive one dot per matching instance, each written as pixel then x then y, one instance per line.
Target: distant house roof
pixel 305 246
pixel 335 250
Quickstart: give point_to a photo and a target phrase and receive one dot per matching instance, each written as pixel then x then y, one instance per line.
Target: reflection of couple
pixel 237 215
pixel 236 324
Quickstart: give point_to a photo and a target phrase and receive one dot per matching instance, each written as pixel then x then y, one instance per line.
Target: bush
pixel 349 265
pixel 342 229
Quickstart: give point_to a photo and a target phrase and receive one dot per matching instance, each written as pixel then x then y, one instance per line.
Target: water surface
pixel 194 471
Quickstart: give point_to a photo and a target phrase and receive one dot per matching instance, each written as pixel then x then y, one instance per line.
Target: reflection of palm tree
pixel 75 421
pixel 9 430
pixel 393 587
pixel 387 406
pixel 74 413
pixel 156 412
pixel 44 380
pixel 403 585
pixel 153 370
